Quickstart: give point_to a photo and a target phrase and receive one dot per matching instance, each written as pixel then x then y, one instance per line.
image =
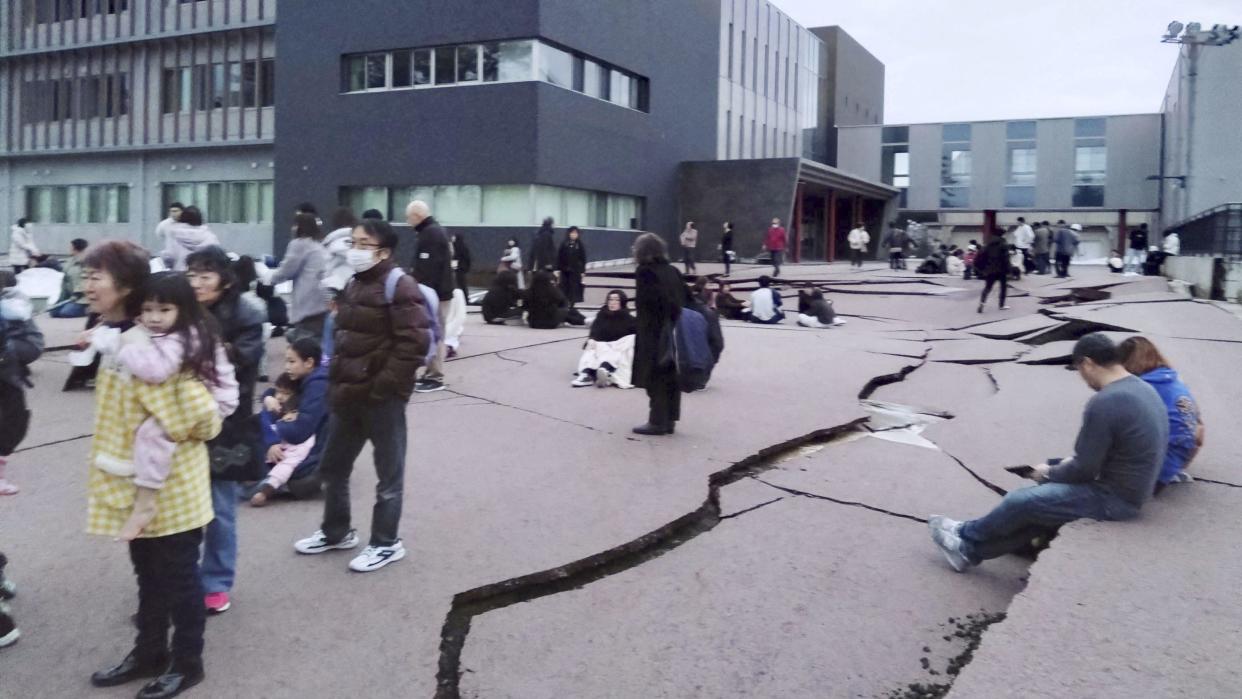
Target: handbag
pixel 236 454
pixel 666 351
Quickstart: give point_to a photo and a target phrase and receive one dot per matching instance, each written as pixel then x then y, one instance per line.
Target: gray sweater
pixel 1120 446
pixel 304 265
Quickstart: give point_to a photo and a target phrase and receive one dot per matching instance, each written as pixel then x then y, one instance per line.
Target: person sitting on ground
pixel 72 302
pixel 1117 457
pixel 1116 264
pixel 715 336
pixel 546 306
pixel 1141 358
pixel 728 305
pixel 818 312
pixel 281 407
pixel 295 470
pixel 608 356
pixel 954 265
pixel 765 303
pixel 503 300
pixel 699 288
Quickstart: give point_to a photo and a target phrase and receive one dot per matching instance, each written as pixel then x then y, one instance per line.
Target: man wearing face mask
pixel 381 338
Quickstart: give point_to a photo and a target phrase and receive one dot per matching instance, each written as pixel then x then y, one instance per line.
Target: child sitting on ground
pixel 954 265
pixel 173 337
pixel 1116 265
pixel 281 406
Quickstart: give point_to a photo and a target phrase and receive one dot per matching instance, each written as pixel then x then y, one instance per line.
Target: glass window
pixel 955 167
pixel 956 132
pixel 954 197
pixel 595 80
pixel 446 65
pixel 122 204
pixel 401 69
pixel 94 205
pixel 422 67
pixel 548 202
pixel 1089 195
pixel 60 211
pixel 267 82
pixel 507 205
pixel 895 134
pixel 250 84
pixel 1022 165
pixel 362 198
pixel 355 74
pixel 599 209
pixel 235 84
pixel 556 66
pixel 576 208
pixel 467 63
pixel 377 71
pixel 622 211
pixel 619 89
pixel 215 210
pixel 1090 164
pixel 579 74
pixel 1089 127
pixel 267 202
pixel 894 165
pixel 238 200
pixel 1020 130
pixel 508 61
pixel 458 205
pixel 1020 197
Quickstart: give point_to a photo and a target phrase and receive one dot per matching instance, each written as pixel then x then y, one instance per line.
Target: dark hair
pixel 373 214
pixel 573 229
pixel 213 259
pixel 307 226
pixel 381 232
pixel 285 382
pixel 624 299
pixel 765 281
pixel 21 222
pixel 244 272
pixel 307 347
pixel 649 248
pixel 129 266
pixel 177 205
pixel 548 222
pixel 1021 219
pixel 195 326
pixel 344 218
pixel 1098 348
pixel 191 216
pixel 306 208
pixel 78 244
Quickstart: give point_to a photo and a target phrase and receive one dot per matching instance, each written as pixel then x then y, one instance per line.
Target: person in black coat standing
pixel 726 247
pixel 543 250
pixel 660 293
pixel 993 266
pixel 571 260
pixel 461 263
pixel 433 266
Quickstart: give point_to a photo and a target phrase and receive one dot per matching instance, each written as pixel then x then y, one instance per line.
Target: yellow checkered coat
pixel 185 409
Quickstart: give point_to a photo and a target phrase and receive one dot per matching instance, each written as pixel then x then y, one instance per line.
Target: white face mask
pixel 360 260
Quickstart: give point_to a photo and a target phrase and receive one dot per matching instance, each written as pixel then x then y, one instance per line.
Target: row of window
pixel 78 203
pixel 86 97
pixel 44 11
pixel 205 86
pixel 502 205
pixel 251 201
pixel 495 62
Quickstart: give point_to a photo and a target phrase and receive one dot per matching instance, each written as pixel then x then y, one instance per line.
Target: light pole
pixel 1193 37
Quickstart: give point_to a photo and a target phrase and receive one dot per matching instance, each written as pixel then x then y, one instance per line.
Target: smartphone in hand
pixel 1021 471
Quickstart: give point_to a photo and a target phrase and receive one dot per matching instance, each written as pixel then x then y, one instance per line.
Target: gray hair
pixel 419 207
pixel 649 248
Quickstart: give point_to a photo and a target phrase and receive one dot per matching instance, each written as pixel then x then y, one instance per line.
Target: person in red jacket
pixel 775 244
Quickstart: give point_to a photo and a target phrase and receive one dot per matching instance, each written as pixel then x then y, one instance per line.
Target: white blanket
pixel 618 353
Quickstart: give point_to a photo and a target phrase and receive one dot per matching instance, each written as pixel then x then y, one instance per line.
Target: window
pixel 955 166
pixel 556 66
pixel 446 65
pixel 178 89
pixel 508 61
pixel 267 82
pixel 1022 162
pixel 595 80
pixel 422 67
pixel 1089 128
pixel 245 202
pixel 467 64
pixel 78 204
pixel 620 88
pixel 1020 131
pixel 501 205
pixel 895 160
pixel 401 74
pixel 729 64
pixel 1090 162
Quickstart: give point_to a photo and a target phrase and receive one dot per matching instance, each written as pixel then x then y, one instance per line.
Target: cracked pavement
pixel 773 547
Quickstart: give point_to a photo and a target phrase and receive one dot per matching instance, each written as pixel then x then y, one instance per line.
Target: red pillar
pixel 989 224
pixel 831 223
pixel 797 224
pixel 1122 232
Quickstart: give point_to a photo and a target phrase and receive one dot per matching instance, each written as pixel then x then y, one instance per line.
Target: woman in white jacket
pixel 512 260
pixel 21 246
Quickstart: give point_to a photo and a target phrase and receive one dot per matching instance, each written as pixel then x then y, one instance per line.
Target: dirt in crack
pixel 472 603
pixel 969 629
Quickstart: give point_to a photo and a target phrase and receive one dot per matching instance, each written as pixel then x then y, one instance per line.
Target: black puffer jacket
pixel 993 259
pixel 379 345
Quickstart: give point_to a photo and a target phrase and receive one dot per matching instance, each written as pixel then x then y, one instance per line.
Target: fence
pixel 1216 232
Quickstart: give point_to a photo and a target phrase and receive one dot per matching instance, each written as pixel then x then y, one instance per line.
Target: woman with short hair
pixel 1141 358
pixel 304 263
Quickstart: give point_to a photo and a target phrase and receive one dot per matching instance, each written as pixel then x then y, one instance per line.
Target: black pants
pixel 169 591
pixel 1042 264
pixel 987 289
pixel 687 258
pixel 896 260
pixel 856 257
pixel 724 257
pixel 664 397
pixel 350 428
pixel 1063 263
pixel 777 257
pixel 1028 261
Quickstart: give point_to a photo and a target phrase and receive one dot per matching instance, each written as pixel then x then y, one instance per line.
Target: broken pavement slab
pixel 1013 328
pixel 978 351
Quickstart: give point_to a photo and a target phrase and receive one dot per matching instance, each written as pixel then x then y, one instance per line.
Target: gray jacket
pixel 303 265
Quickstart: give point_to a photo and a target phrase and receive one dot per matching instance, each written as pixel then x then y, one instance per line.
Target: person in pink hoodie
pixel 173 337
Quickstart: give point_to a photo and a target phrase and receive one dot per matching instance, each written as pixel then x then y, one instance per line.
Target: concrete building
pixel 111 109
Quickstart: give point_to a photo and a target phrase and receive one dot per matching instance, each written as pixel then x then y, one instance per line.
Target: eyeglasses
pixel 363 245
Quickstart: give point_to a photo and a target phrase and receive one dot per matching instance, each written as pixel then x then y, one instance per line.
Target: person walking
pixel 1065 242
pixel 304 263
pixel 21 246
pixel 1023 239
pixel 993 266
pixel 382 336
pixel 659 294
pixel 1136 252
pixel 1117 458
pixel 1040 247
pixel 775 243
pixel 726 247
pixel 898 241
pixel 858 240
pixel 571 261
pixel 689 239
pixel 543 249
pixel 433 266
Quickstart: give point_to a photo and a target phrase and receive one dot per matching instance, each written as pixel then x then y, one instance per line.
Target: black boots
pixel 170 680
pixel 655 430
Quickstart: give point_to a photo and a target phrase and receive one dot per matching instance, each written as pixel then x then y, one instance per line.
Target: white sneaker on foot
pixel 318 543
pixel 376 557
pixel 945 524
pixel 583 379
pixel 951 546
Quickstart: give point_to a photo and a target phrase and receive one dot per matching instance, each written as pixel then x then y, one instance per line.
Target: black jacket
pixel 571 257
pixel 726 241
pixel 546 306
pixel 236 453
pixel 659 295
pixel 461 254
pixel 993 259
pixel 432 262
pixel 1138 239
pixel 543 251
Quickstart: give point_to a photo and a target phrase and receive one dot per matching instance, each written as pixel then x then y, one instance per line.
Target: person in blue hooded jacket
pixel 302 362
pixel 1142 359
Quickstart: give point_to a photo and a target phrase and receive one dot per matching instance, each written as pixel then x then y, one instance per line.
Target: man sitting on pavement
pixel 1117 457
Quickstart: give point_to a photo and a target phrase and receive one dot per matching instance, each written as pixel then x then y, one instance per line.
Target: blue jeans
pixel 68 309
pixel 1029 512
pixel 220 545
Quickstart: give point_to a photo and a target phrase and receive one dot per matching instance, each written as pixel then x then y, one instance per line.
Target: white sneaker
pixel 951 546
pixel 376 557
pixel 581 380
pixel 943 523
pixel 838 321
pixel 318 543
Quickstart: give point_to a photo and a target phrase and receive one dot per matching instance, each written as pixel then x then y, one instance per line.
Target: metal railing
pixel 1216 232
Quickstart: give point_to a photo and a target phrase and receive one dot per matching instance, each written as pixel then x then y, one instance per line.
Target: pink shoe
pixel 217 602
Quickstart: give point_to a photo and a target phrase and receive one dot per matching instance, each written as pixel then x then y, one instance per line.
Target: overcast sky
pixel 965 60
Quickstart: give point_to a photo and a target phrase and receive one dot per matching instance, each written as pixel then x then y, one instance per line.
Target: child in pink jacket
pixel 284 404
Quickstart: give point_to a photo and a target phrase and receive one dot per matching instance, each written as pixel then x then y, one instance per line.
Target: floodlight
pixel 1193 28
pixel 1175 28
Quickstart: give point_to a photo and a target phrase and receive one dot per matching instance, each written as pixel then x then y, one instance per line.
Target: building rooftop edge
pixel 998 121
